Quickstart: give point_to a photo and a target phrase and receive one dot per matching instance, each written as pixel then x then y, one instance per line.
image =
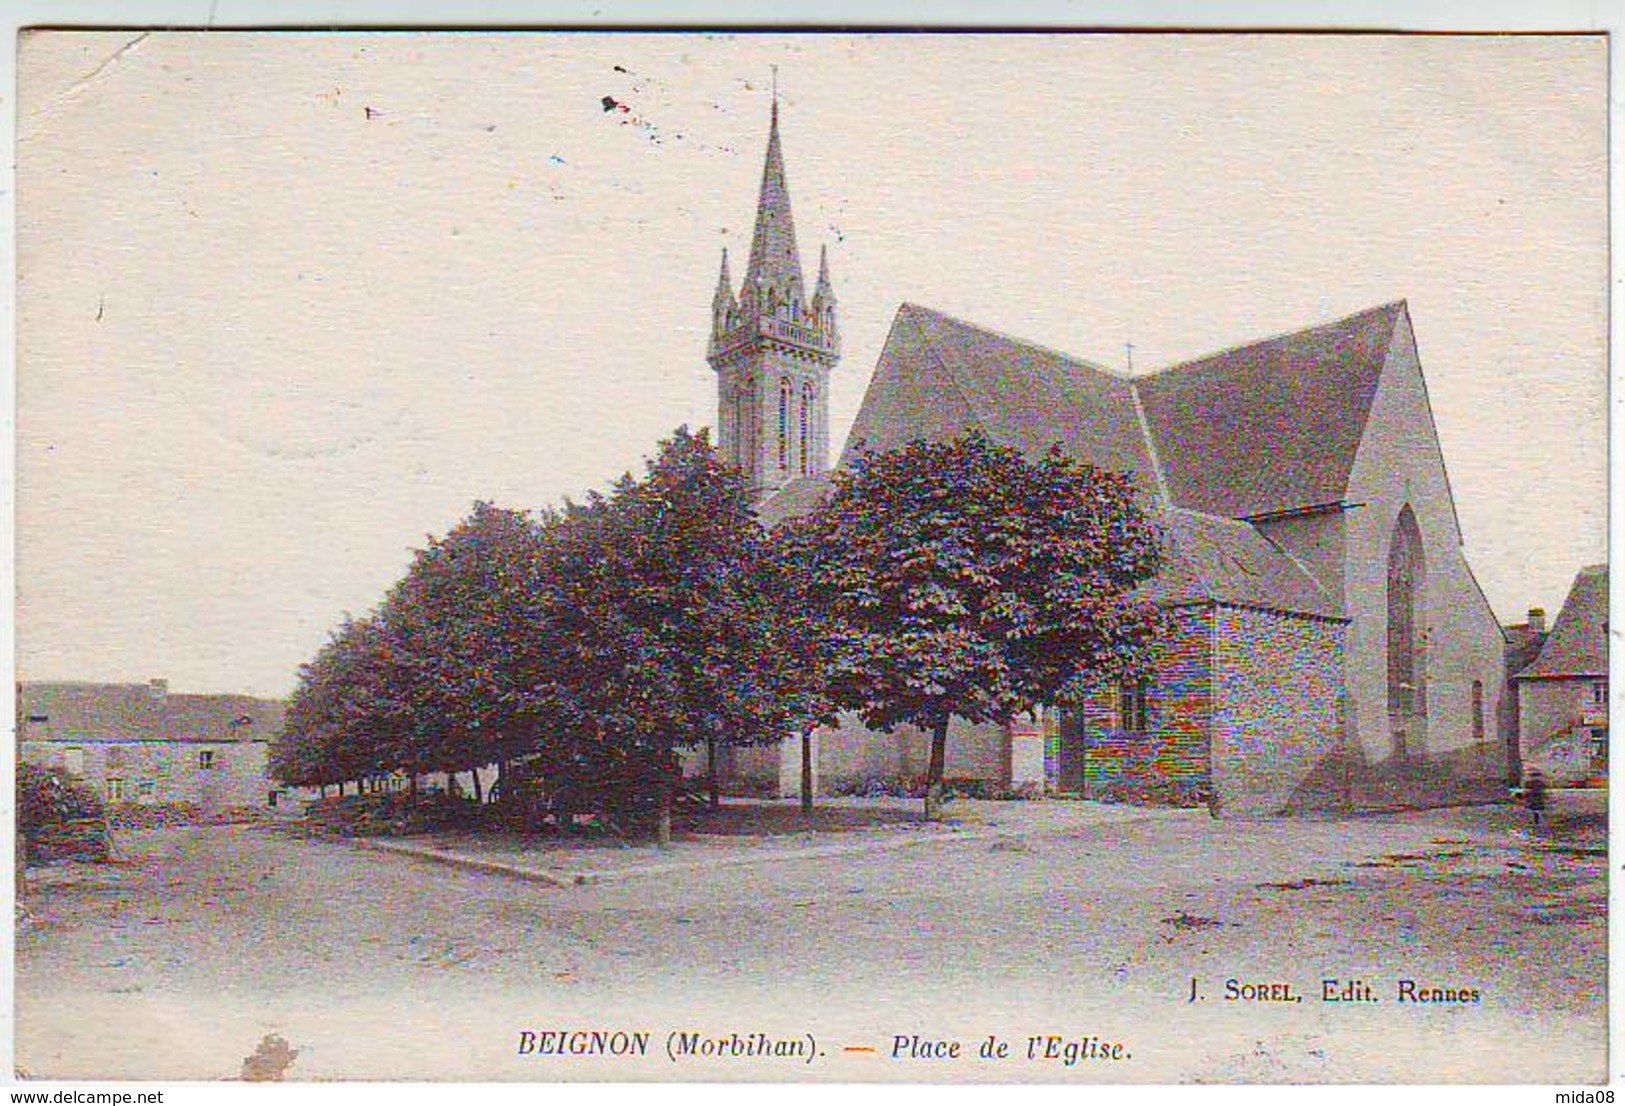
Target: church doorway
pixel 1072 754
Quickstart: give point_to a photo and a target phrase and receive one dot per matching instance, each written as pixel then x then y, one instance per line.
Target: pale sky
pixel 289 302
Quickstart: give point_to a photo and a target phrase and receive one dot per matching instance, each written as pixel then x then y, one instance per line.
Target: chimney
pixel 1537 620
pixel 158 688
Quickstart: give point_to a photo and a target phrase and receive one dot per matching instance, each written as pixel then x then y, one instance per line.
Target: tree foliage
pixel 667 606
pixel 962 580
pixel 604 634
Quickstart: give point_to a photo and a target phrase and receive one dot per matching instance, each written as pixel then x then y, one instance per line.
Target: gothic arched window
pixel 1407 574
pixel 784 423
pixel 806 425
pixel 736 440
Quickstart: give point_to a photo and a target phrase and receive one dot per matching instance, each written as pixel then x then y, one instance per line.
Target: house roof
pixel 1271 426
pixel 90 712
pixel 1578 643
pixel 1223 560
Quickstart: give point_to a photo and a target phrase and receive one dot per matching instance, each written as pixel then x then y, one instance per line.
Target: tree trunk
pixel 413 785
pixel 714 786
pixel 933 776
pixel 806 772
pixel 478 798
pixel 667 787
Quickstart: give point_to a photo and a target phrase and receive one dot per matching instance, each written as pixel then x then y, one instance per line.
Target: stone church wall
pixel 1451 757
pixel 1278 714
pixel 1169 762
pixel 853 758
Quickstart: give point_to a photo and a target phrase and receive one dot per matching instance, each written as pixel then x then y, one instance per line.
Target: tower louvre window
pixel 806 421
pixel 784 423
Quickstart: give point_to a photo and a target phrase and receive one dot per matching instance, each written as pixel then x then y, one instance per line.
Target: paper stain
pixel 270 1061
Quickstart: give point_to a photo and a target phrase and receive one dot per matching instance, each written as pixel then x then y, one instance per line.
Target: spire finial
pixel 775 91
pixel 725 290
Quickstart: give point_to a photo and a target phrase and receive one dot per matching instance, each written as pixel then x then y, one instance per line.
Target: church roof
pixel 1578 643
pixel 1272 426
pixel 938 375
pixel 1223 560
pixel 795 499
pixel 1260 429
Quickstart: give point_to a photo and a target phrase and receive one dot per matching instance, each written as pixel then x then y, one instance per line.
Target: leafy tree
pixel 347 717
pixel 664 609
pixel 962 580
pixel 806 641
pixel 467 628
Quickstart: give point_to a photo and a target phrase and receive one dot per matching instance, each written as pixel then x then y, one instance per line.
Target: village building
pixel 145 745
pixel 1523 644
pixel 1562 695
pixel 1331 649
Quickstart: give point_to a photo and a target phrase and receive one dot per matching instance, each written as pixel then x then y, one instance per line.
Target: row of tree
pixel 943 580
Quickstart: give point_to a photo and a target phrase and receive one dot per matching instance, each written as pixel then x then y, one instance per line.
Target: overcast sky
pixel 289 303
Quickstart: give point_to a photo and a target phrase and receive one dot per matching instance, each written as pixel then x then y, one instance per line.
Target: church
pixel 1329 647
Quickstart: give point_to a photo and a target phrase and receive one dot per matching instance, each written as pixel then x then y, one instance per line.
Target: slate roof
pixel 796 498
pixel 1222 560
pixel 1272 426
pixel 1257 430
pixel 90 712
pixel 1021 395
pixel 1578 643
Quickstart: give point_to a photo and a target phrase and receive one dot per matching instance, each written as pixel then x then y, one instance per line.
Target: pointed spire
pixel 826 289
pixel 725 289
pixel 775 264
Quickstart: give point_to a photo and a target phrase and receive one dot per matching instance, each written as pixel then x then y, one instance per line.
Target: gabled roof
pixel 1578 643
pixel 1257 430
pixel 939 373
pixel 222 718
pixel 76 712
pixel 1222 560
pixel 1271 426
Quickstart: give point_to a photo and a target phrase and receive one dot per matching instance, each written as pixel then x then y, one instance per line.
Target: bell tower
pixel 772 347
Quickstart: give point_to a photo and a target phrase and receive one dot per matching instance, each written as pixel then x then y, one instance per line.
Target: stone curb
pixel 473 864
pixel 567 879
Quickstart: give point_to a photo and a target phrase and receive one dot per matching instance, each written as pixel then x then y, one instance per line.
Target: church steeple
pixel 773 275
pixel 772 348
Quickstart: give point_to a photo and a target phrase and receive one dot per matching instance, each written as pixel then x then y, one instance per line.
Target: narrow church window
pixel 784 423
pixel 806 418
pixel 1407 691
pixel 1478 710
pixel 1134 706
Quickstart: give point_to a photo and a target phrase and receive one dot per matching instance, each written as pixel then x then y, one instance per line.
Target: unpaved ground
pixel 1050 919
